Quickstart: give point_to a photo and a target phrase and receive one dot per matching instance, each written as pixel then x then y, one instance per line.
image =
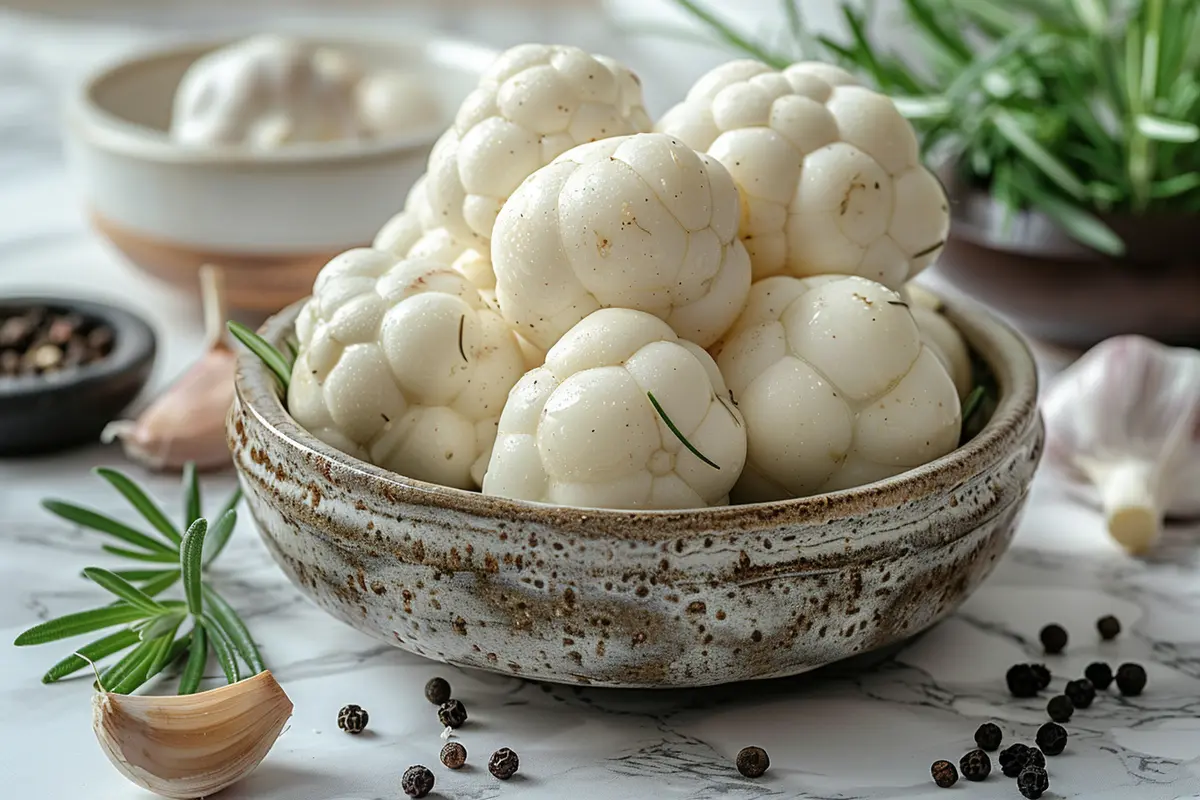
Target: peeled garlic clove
pixel 1125 418
pixel 191 746
pixel 940 336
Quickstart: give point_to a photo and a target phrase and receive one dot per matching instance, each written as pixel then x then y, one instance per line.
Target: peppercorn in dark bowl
pixel 610 597
pixel 67 368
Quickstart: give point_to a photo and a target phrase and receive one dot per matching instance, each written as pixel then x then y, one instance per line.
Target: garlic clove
pixel 1125 421
pixel 191 746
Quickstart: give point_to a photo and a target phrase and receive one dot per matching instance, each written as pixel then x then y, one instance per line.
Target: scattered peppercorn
pixel 417 781
pixel 944 774
pixel 1054 638
pixel 1013 759
pixel 1081 692
pixel 454 755
pixel 1131 679
pixel 452 714
pixel 353 719
pixel 989 736
pixel 1035 758
pixel 1109 627
pixel 40 340
pixel 1052 738
pixel 1100 674
pixel 1060 708
pixel 1043 675
pixel 437 691
pixel 1033 782
pixel 1022 681
pixel 753 761
pixel 504 763
pixel 975 765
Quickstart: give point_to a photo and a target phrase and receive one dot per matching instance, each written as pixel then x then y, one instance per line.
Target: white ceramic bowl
pixel 271 219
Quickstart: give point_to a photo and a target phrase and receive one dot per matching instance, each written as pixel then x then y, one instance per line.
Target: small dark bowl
pixel 45 413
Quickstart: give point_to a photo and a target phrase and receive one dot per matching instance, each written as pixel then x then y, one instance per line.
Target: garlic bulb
pixel 193 745
pixel 1126 418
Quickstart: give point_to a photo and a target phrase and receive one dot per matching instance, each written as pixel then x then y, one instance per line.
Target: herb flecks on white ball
pixel 401 363
pixel 641 222
pixel 836 387
pixel 624 414
pixel 828 170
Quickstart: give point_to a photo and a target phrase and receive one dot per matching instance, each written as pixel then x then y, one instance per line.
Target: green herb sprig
pixel 150 635
pixel 678 434
pixel 276 361
pixel 1074 109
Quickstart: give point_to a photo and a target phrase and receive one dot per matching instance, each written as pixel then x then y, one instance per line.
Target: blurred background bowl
pixel 270 219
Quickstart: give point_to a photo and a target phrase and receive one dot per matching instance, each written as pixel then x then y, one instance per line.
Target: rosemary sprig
pixel 678 434
pixel 275 360
pixel 150 638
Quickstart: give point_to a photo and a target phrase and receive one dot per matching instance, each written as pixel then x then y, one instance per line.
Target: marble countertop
pixel 840 734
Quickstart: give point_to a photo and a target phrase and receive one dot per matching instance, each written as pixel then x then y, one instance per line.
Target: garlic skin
pixel 1125 418
pixel 191 746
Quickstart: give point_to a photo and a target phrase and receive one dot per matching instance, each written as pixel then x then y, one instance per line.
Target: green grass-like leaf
pixel 136 555
pixel 193 672
pixel 234 629
pixel 191 494
pixel 123 589
pixel 162 652
pixel 81 622
pixel 218 536
pixel 158 585
pixel 265 351
pixel 191 562
pixel 678 434
pixel 94 651
pixel 140 501
pixel 94 520
pixel 112 678
pixel 223 648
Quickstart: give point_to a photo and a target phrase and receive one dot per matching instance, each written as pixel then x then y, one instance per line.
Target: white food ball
pixel 401 363
pixel 535 102
pixel 582 430
pixel 829 171
pixel 392 102
pixel 836 387
pixel 639 222
pixel 940 335
pixel 268 91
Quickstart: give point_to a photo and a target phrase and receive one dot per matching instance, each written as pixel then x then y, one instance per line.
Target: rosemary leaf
pixel 123 589
pixel 234 629
pixel 191 494
pixel 86 518
pixel 80 622
pixel 190 556
pixel 158 585
pixel 93 651
pixel 157 558
pixel 725 32
pixel 139 668
pixel 678 434
pixel 115 675
pixel 140 501
pixel 223 647
pixel 218 536
pixel 162 652
pixel 193 672
pixel 264 350
pixel 971 404
pixel 134 575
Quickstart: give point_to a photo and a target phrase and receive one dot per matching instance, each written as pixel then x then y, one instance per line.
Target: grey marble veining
pixel 845 733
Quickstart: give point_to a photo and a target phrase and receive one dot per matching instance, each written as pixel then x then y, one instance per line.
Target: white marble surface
pixel 845 735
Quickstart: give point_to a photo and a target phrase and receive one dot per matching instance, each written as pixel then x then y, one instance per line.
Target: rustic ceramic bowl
pixel 649 599
pixel 172 208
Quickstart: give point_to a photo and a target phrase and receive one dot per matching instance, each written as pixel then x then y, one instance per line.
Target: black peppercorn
pixel 452 714
pixel 504 763
pixel 1109 627
pixel 1100 674
pixel 1042 673
pixel 1060 708
pixel 453 755
pixel 989 736
pixel 1033 782
pixel 437 691
pixel 1052 738
pixel 1081 692
pixel 1131 679
pixel 1013 759
pixel 1022 681
pixel 417 781
pixel 1035 758
pixel 353 719
pixel 753 761
pixel 1054 638
pixel 944 774
pixel 975 765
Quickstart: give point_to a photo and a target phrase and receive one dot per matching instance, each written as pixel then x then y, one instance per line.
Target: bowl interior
pixel 139 92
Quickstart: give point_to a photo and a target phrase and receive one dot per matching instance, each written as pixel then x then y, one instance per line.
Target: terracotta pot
pixel 1064 293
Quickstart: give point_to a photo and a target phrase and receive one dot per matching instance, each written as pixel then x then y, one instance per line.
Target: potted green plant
pixel 1067 134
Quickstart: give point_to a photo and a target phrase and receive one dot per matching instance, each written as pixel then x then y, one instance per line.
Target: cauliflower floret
pixel 835 386
pixel 940 335
pixel 639 222
pixel 584 431
pixel 267 91
pixel 535 102
pixel 829 171
pixel 402 364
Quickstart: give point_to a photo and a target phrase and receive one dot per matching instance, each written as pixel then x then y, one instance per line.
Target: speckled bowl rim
pixel 1000 347
pixel 108 131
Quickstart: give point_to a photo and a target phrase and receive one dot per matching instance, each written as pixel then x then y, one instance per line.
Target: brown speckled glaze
pixel 652 599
